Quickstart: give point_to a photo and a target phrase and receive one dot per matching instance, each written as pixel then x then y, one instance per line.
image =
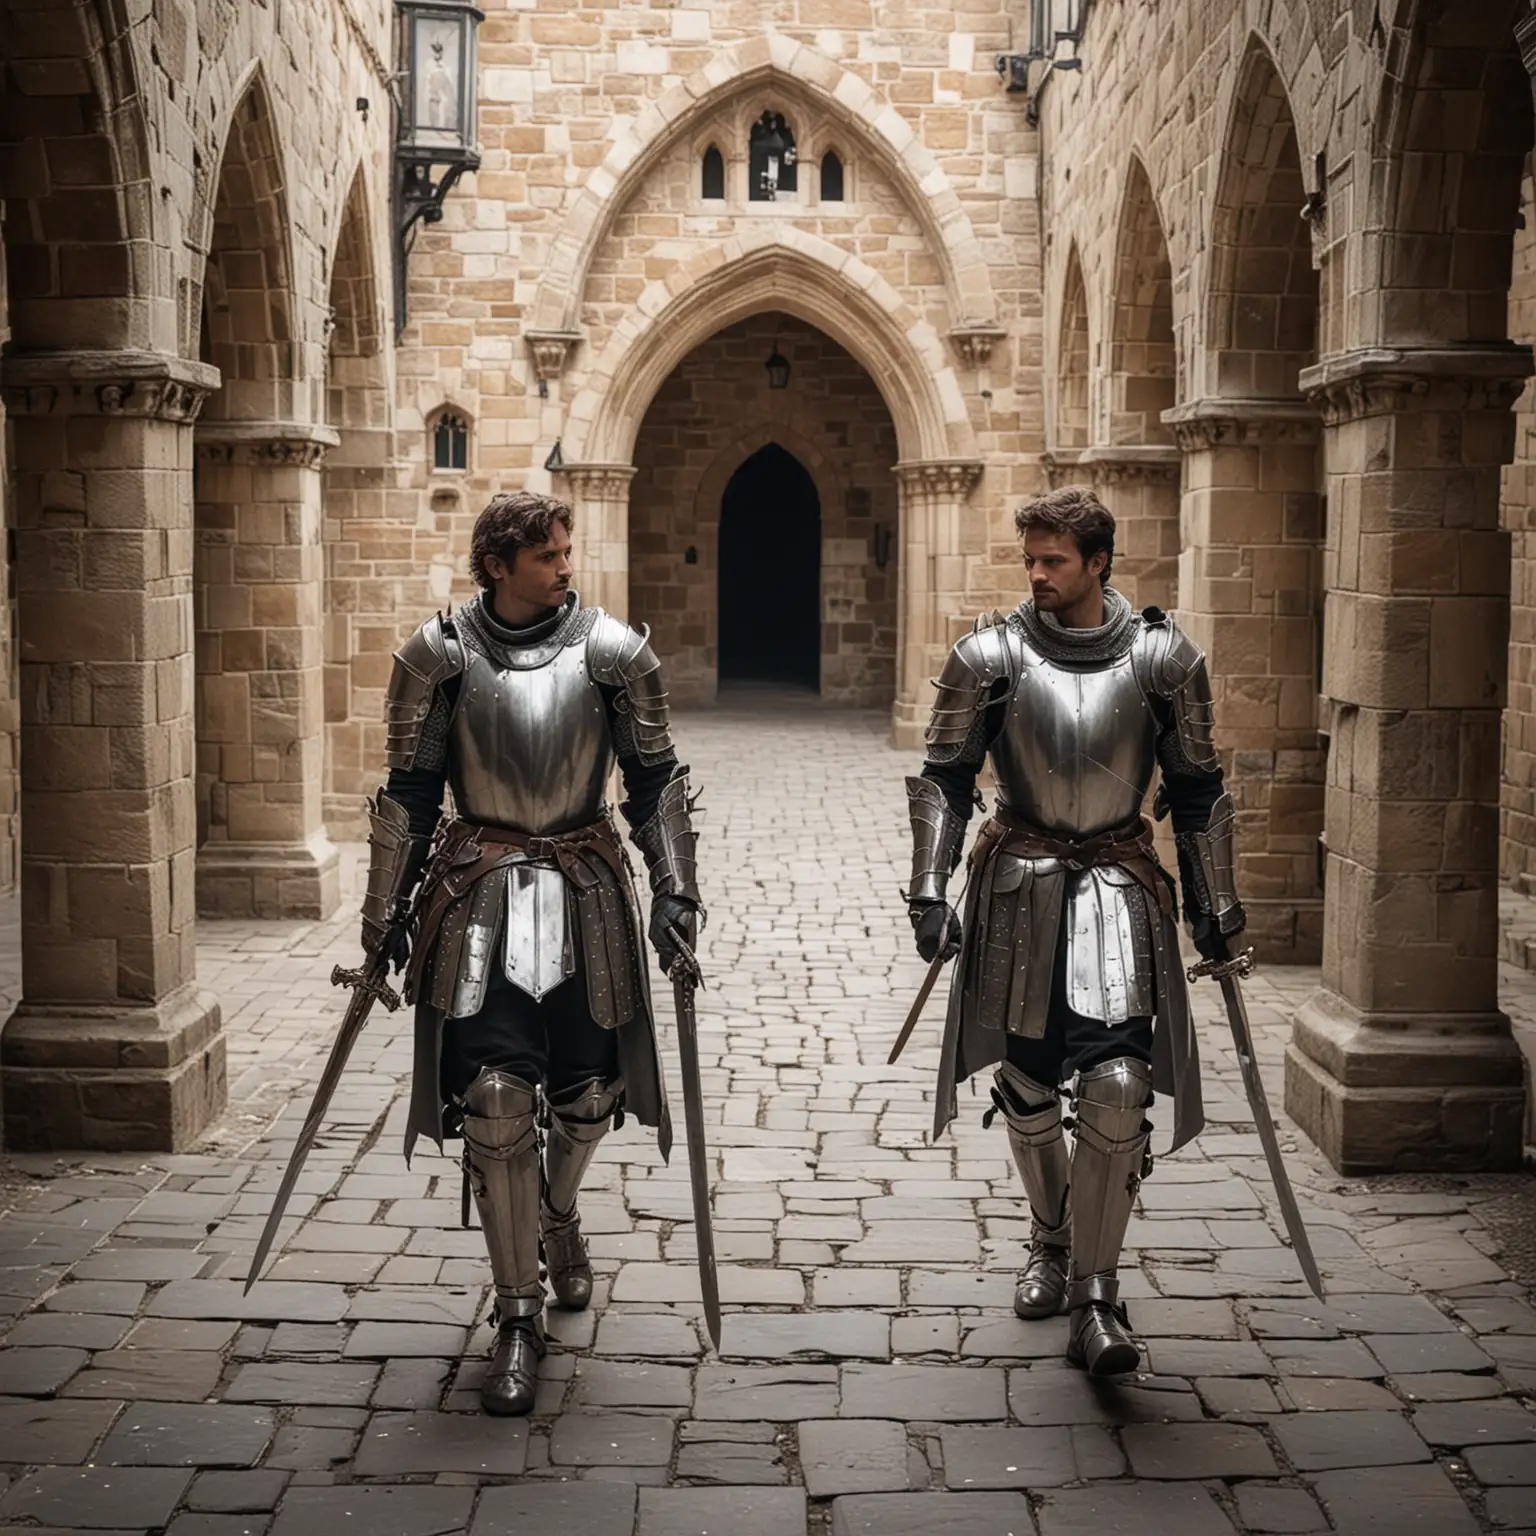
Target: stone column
pixel 1403 1059
pixel 941 537
pixel 599 496
pixel 1250 589
pixel 113 1045
pixel 263 849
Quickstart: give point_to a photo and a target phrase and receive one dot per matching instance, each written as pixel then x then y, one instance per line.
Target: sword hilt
pixel 685 967
pixel 1240 965
pixel 369 979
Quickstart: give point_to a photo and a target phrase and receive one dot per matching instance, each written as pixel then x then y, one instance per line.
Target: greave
pixel 501 1150
pixel 1032 1114
pixel 579 1120
pixel 1107 1168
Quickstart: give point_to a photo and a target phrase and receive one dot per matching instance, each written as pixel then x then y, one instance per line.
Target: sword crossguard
pixel 1240 965
pixel 365 979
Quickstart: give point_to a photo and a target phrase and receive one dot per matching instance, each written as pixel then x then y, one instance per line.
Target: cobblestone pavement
pixel 873 1380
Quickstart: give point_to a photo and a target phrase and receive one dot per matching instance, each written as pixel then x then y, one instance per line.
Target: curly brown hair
pixel 514 520
pixel 1074 509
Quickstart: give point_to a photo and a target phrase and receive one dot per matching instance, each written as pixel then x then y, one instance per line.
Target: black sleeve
pixel 1190 795
pixel 643 782
pixel 420 791
pixel 957 778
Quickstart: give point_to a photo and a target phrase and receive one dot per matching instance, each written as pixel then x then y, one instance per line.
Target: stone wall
pixel 713 412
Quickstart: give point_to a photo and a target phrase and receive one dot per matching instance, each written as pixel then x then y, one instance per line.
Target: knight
pixel 1068 979
pixel 516 917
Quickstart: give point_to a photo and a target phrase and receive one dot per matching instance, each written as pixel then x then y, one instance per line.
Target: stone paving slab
pixel 875 1377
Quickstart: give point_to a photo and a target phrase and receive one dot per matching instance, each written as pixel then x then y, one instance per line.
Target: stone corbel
pixel 87 382
pixel 1384 381
pixel 939 479
pixel 1133 464
pixel 550 350
pixel 973 341
pixel 265 444
pixel 1227 422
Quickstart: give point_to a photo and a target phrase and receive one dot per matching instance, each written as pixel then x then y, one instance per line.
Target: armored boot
pixel 501 1153
pixel 1032 1113
pixel 1108 1165
pixel 579 1119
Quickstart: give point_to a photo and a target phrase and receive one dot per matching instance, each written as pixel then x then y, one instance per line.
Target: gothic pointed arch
pixel 1072 357
pixel 1143 366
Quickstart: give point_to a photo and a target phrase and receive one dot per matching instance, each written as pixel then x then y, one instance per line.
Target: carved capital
pixel 550 349
pixel 1226 422
pixel 1134 464
pixel 938 479
pixel 973 341
pixel 1062 466
pixel 598 482
pixel 265 444
pixel 1386 381
pixel 86 382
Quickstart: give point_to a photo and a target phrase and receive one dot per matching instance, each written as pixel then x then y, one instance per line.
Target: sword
pixel 1229 973
pixel 369 984
pixel 686 978
pixel 924 992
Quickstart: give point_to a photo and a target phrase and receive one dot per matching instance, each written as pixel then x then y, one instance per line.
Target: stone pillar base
pixel 907 727
pixel 1384 1093
pixel 300 881
pixel 1287 930
pixel 112 1079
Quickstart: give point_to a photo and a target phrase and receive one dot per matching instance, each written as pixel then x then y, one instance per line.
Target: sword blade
pixel 1258 1101
pixel 924 992
pixel 698 1150
pixel 369 986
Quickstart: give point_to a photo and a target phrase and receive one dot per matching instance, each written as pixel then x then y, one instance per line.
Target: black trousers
pixel 552 1043
pixel 1072 1042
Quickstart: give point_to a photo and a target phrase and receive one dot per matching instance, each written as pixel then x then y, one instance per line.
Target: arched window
pixel 450 442
pixel 831 178
pixel 714 174
pixel 771 158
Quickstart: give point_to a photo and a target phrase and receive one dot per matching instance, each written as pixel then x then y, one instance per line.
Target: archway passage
pixel 770 572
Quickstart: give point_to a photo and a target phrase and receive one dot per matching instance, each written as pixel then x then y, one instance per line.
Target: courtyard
pixel 873 1378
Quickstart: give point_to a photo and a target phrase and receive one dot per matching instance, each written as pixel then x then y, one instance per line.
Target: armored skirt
pixel 476 873
pixel 1022 886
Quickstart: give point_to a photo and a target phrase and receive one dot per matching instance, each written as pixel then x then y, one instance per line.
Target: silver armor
pixel 501 1150
pixel 578 1120
pixel 395 862
pixel 938 836
pixel 527 746
pixel 1032 1113
pixel 1108 1164
pixel 1211 861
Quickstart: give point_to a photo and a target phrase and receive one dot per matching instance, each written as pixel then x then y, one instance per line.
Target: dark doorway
pixel 770 572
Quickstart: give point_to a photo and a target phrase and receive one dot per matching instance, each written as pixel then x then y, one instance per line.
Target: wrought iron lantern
pixel 1051 23
pixel 778 369
pixel 435 143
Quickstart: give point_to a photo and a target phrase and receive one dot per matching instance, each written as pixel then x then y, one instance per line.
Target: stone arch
pixel 79 225
pixel 1262 294
pixel 803 74
pixel 805 276
pixel 1453 128
pixel 1072 358
pixel 248 300
pixel 818 465
pixel 1143 364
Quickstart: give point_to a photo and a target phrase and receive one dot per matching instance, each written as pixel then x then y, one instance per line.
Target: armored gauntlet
pixel 1208 868
pixel 396 859
pixel 669 845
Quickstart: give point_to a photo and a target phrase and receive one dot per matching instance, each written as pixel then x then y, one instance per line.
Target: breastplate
pixel 1077 750
pixel 529 747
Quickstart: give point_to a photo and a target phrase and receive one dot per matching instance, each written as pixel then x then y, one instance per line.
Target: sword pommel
pixel 1240 964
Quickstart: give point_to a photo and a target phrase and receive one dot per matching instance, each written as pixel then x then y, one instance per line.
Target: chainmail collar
pixel 1105 642
pixel 523 649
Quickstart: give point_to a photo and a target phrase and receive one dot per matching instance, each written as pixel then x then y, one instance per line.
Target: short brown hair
pixel 513 520
pixel 1074 509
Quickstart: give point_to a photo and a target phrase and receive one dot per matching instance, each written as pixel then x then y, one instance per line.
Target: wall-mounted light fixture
pixel 778 369
pixel 436 130
pixel 1051 23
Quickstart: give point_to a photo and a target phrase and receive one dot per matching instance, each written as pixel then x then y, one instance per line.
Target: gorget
pixel 1080 647
pixel 523 650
